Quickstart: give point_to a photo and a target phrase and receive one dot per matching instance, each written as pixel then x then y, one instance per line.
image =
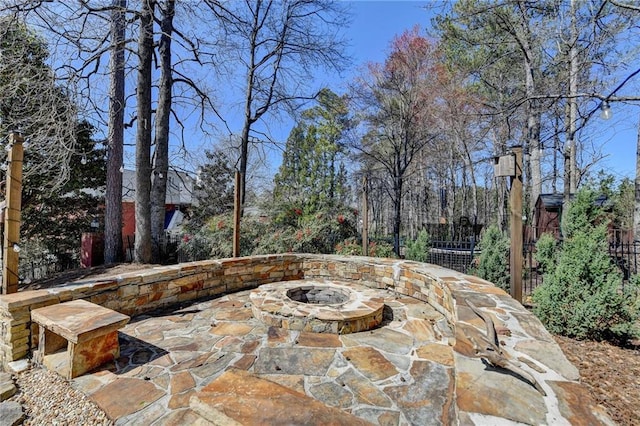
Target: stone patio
pixel 176 365
pixel 208 345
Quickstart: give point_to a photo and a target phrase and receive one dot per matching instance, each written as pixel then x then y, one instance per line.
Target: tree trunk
pixel 573 106
pixel 142 249
pixel 161 166
pixel 636 209
pixel 468 162
pixel 248 106
pixel 113 195
pixel 397 214
pixel 533 128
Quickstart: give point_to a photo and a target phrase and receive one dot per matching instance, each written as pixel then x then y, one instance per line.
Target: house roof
pixel 555 201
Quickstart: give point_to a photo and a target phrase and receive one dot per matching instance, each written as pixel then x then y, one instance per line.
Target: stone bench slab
pixel 79 321
pixel 88 331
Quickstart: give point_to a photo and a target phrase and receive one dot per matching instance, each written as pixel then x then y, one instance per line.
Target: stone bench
pixel 89 332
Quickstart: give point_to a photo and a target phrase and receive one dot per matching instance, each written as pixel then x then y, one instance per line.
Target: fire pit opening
pixel 318 295
pixel 318 306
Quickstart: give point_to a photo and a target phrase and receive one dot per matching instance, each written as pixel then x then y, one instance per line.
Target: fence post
pixel 12 215
pixel 515 203
pixel 365 217
pixel 237 206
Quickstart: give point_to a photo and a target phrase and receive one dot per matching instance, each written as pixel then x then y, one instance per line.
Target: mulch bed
pixel 611 373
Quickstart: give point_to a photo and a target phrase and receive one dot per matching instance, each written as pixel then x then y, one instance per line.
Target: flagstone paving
pixel 213 362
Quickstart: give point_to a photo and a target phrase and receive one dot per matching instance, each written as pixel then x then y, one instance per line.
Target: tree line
pixel 421 128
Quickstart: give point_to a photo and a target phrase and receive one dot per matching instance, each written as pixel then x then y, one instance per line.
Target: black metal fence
pixel 34 269
pixel 459 256
pixel 170 251
pixel 453 232
pixel 456 255
pixel 626 256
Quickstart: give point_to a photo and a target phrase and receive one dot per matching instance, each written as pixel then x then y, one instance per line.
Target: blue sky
pixel 375 23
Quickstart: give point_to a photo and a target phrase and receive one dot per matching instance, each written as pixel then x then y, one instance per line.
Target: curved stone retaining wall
pixel 468 303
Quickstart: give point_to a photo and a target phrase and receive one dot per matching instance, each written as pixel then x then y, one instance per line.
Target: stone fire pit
pixel 319 306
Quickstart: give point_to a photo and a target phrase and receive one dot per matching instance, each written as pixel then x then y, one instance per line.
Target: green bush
pixel 196 247
pixel 582 294
pixel 493 262
pixel 381 249
pixel 349 247
pixel 546 252
pixel 294 231
pixel 418 249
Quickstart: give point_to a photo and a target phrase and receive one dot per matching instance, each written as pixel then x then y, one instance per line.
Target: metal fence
pixel 459 256
pixel 626 256
pixel 170 251
pixel 456 255
pixel 35 269
pixel 453 232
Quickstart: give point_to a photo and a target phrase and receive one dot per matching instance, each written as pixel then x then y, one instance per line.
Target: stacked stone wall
pixel 468 303
pixel 139 292
pixel 148 289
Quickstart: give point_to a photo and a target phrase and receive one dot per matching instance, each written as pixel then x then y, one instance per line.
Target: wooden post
pixel 237 204
pixel 365 217
pixel 13 200
pixel 515 203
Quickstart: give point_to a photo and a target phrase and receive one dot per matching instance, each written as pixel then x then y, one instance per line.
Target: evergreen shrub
pixel 300 233
pixel 493 262
pixel 546 252
pixel 418 249
pixel 582 294
pixel 353 247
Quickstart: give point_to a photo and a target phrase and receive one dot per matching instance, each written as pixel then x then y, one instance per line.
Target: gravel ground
pixel 48 399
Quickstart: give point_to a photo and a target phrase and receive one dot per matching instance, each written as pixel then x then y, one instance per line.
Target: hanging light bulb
pixel 83 160
pixel 121 169
pixel 605 112
pixel 16 248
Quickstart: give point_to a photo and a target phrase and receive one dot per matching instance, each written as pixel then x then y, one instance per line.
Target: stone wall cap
pixel 25 298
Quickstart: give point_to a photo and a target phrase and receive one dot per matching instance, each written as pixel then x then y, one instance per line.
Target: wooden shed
pixel 548 213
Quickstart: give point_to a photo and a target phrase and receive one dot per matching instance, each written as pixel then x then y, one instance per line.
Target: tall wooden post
pixel 515 203
pixel 237 205
pixel 12 215
pixel 365 217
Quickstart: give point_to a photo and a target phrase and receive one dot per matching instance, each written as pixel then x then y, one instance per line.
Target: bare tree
pixel 115 142
pixel 280 45
pixel 395 98
pixel 142 250
pixel 161 155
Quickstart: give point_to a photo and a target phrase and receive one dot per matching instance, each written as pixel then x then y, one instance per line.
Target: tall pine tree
pixel 312 176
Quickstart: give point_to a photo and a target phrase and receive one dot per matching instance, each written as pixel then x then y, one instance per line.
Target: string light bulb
pixel 83 160
pixel 605 112
pixel 16 248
